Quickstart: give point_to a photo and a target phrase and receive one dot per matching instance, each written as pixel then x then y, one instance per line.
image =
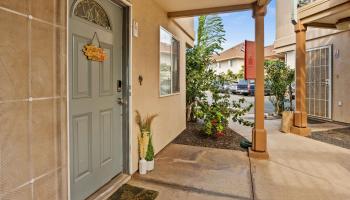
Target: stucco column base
pixel 300 131
pixel 264 155
pixel 300 119
pixel 259 139
pixel 259 142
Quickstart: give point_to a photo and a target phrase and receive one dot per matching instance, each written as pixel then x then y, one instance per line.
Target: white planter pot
pixel 143 166
pixel 150 165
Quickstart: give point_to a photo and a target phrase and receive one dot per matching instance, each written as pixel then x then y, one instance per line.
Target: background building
pixel 327 64
pixel 233 58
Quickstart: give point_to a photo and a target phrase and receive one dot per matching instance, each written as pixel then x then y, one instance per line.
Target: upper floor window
pixel 169 76
pixel 231 63
pixel 302 3
pixel 91 11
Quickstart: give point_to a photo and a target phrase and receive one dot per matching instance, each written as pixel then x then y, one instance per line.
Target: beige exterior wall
pixel 341 72
pixel 223 66
pixel 340 41
pixel 146 98
pixel 187 24
pixel 33 142
pixel 285 36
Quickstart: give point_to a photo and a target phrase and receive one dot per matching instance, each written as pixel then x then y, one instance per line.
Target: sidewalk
pixel 299 168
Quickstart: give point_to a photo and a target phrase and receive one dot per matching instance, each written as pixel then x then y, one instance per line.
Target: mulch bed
pixel 193 135
pixel 338 137
pixel 315 121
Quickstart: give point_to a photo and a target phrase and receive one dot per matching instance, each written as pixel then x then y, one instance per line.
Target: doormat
pixel 129 192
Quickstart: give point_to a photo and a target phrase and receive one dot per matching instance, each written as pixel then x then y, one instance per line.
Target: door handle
pixel 120 101
pixel 119 86
pixel 327 82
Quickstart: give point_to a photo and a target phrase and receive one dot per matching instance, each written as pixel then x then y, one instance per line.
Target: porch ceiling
pixel 325 13
pixel 188 8
pixel 333 19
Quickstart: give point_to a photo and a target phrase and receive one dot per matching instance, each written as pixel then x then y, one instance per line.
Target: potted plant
pixel 150 155
pixel 143 144
pixel 145 141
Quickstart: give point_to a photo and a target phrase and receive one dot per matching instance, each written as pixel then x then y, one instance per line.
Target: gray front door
pixel 96 154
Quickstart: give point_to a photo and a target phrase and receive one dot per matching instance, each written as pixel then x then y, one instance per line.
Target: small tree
pixel 278 78
pixel 199 78
pixel 290 80
pixel 240 74
pixel 229 76
pixel 216 114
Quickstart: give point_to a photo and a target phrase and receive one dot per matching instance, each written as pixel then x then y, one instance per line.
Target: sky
pixel 239 26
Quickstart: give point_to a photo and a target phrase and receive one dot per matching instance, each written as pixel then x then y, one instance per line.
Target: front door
pixel 96 153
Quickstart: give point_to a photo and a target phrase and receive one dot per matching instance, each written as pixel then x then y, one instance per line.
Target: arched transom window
pixel 91 11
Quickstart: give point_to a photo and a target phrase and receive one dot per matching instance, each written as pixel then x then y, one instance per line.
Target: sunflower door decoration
pixel 94 52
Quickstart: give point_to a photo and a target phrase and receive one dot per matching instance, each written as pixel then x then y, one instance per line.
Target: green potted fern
pixel 150 154
pixel 145 141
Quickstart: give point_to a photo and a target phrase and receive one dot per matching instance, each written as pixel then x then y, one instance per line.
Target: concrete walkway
pixel 195 173
pixel 299 168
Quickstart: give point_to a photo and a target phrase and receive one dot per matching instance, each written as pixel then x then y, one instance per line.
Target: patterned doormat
pixel 129 192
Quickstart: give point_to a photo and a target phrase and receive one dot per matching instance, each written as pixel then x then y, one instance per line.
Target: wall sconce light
pixel 140 79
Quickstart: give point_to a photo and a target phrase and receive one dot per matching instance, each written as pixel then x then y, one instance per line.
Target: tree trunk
pixel 290 98
pixel 189 112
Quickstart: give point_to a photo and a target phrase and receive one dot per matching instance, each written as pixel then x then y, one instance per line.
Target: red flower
pixel 220 134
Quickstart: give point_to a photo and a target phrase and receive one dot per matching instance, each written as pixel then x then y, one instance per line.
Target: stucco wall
pixel 341 72
pixel 226 65
pixel 187 25
pixel 285 35
pixel 290 59
pixel 33 142
pixel 145 98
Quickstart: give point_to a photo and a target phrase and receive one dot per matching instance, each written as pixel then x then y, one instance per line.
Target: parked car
pixel 227 87
pixel 248 88
pixel 244 87
pixel 222 88
pixel 233 88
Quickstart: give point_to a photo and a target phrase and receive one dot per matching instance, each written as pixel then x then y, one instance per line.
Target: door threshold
pixel 110 188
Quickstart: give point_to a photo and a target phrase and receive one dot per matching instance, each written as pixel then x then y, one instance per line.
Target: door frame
pixel 330 83
pixel 127 88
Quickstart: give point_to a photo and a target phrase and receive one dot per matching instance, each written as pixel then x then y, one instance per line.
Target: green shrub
pixel 150 150
pixel 217 113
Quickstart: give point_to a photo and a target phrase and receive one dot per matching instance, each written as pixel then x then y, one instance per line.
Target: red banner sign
pixel 249 60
